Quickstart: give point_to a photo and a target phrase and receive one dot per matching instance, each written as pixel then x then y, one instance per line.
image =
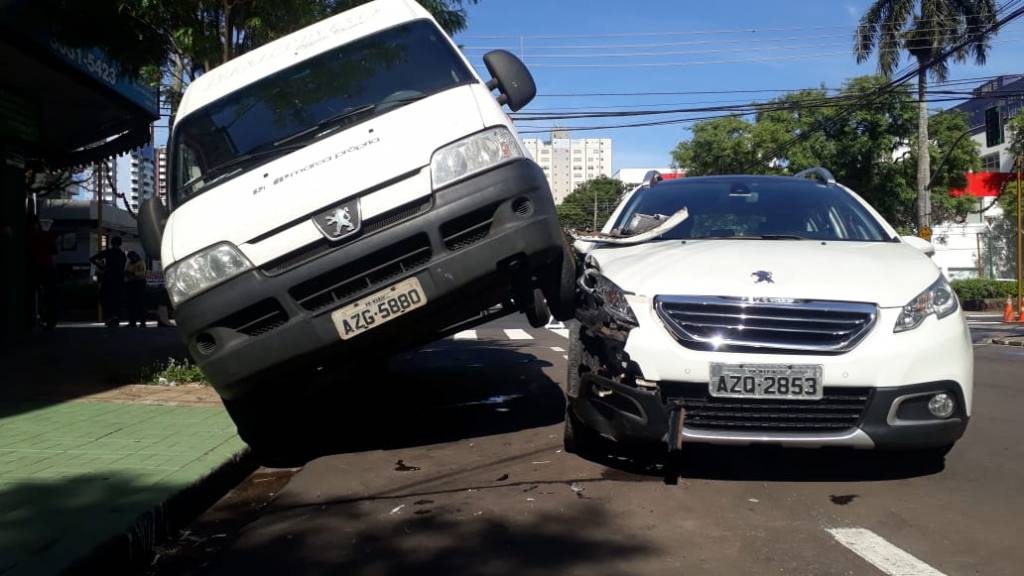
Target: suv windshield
pixel 293 107
pixel 754 208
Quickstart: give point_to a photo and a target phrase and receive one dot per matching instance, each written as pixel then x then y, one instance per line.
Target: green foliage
pixel 1015 130
pixel 174 372
pixel 870 148
pixel 169 42
pixel 983 288
pixel 924 28
pixel 577 209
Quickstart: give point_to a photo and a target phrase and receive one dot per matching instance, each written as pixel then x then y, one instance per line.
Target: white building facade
pixel 568 162
pixel 967 249
pixel 143 171
pixel 161 173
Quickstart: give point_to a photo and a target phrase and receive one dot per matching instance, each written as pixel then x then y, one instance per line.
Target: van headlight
pixel 938 299
pixel 204 270
pixel 473 154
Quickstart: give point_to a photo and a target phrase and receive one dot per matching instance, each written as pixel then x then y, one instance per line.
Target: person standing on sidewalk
pixel 135 289
pixel 110 263
pixel 43 270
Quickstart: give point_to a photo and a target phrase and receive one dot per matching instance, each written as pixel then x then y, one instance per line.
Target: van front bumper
pixel 259 325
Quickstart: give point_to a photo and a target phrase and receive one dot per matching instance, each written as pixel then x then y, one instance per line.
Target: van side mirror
pixel 152 219
pixel 920 243
pixel 510 76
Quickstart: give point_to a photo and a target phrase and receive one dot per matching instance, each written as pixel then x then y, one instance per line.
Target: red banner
pixel 983 184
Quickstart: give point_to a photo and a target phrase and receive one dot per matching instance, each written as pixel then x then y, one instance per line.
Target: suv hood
pixel 297 185
pixel 888 274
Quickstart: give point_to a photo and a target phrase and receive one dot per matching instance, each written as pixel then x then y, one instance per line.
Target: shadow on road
pixel 767 464
pixel 431 538
pixel 427 398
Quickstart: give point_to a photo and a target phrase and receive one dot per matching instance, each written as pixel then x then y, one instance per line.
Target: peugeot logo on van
pixel 340 221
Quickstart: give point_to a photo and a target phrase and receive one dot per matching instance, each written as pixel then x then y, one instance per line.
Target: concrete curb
pixel 1012 341
pixel 132 549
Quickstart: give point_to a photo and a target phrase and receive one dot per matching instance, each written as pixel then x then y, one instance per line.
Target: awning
pixel 983 184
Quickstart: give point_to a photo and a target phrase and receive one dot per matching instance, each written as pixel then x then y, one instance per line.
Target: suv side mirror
pixel 152 219
pixel 920 243
pixel 510 76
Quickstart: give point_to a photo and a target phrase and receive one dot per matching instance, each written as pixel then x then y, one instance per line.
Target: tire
pixel 536 309
pixel 560 285
pixel 276 437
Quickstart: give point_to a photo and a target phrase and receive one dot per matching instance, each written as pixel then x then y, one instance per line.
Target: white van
pixel 345 192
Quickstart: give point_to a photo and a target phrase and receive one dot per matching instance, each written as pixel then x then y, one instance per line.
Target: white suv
pixel 781 310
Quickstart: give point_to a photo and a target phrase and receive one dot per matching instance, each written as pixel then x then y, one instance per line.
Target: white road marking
pixel 558 349
pixel 552 323
pixel 880 553
pixel 564 357
pixel 517 334
pixel 465 335
pixel 563 332
pixel 973 322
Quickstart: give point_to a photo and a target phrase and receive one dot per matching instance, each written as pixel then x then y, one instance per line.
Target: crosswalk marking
pixel 465 335
pixel 558 349
pixel 880 553
pixel 517 334
pixel 563 332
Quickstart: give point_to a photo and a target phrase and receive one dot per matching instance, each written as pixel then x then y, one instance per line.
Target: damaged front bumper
pixel 612 398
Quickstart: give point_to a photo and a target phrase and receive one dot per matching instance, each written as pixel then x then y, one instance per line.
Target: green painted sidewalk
pixel 76 473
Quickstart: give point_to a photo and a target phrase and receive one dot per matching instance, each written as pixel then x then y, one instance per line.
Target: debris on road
pixel 501 478
pixel 401 466
pixel 577 489
pixel 396 509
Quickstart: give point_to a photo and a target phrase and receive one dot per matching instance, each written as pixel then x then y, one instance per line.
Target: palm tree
pixel 926 29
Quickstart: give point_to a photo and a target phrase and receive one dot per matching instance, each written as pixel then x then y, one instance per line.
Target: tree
pixel 719 146
pixel 170 42
pixel 890 26
pixel 870 149
pixel 577 210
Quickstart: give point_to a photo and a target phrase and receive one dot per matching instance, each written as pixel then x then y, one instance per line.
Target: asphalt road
pixel 459 470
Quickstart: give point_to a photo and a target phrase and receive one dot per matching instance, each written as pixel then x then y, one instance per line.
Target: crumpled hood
pixel 888 274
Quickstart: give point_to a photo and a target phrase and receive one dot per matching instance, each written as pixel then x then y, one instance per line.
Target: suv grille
pixel 785 327
pixel 349 280
pixel 839 409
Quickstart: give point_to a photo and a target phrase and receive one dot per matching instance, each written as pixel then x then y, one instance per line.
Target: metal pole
pixel 595 210
pixel 99 227
pixel 1020 261
pixel 977 242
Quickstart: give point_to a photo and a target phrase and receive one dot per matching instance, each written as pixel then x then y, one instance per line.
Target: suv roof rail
pixel 651 178
pixel 819 173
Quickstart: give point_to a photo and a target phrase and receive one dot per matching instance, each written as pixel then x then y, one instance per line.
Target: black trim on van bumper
pixel 465 251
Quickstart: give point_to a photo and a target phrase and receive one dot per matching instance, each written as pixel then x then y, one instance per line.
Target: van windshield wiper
pixel 225 169
pixel 328 123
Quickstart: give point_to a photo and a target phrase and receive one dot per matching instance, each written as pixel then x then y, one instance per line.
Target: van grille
pixel 838 409
pixel 260 318
pixel 323 246
pixel 468 229
pixel 790 326
pixel 349 280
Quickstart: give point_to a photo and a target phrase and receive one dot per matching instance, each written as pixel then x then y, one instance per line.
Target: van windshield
pixel 318 96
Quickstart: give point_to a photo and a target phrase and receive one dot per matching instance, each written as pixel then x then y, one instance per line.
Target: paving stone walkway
pixel 80 461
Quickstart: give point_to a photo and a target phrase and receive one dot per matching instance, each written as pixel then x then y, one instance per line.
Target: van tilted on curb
pixel 345 192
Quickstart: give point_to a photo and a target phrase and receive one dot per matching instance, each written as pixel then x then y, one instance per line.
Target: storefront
pixel 60 107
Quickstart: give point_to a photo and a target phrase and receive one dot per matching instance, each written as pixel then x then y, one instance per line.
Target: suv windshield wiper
pixel 328 123
pixel 754 237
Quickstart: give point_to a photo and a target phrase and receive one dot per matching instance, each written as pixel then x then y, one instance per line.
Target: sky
pixel 576 46
pixel 712 46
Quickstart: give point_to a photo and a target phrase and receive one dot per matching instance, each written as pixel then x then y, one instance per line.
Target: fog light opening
pixel 941 405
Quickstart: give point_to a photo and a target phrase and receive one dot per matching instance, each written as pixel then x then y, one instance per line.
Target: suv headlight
pixel 611 298
pixel 204 270
pixel 473 154
pixel 938 299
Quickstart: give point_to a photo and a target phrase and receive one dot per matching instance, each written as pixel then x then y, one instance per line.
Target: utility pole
pixel 1020 261
pixel 99 224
